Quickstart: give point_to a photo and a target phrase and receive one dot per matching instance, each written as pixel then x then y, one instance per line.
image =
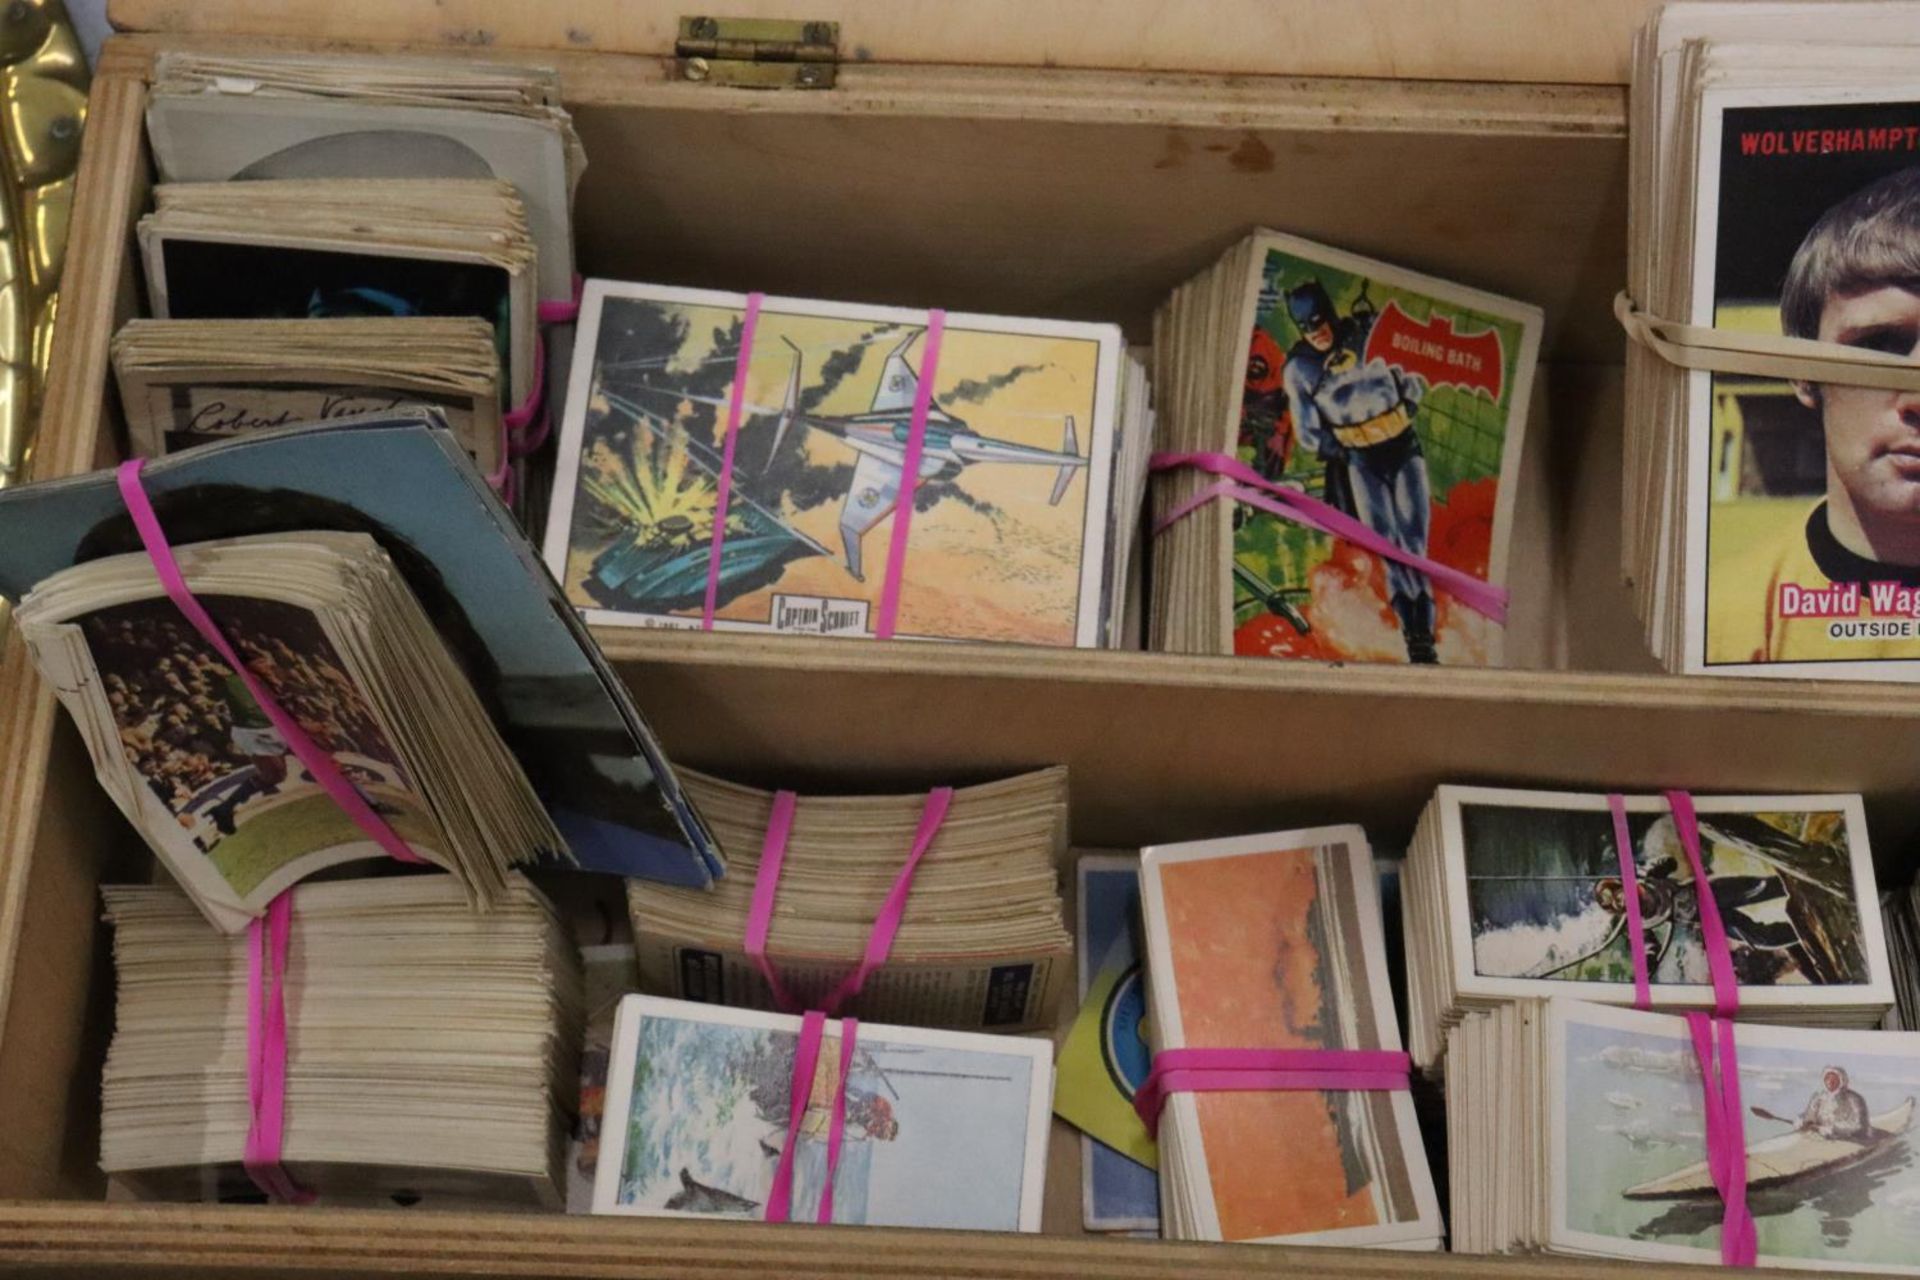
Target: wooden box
pixel 1085 188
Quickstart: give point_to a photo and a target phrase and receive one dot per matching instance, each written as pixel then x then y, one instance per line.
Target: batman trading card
pixel 1007 529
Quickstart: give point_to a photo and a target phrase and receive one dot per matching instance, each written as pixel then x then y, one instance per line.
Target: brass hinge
pixel 758 53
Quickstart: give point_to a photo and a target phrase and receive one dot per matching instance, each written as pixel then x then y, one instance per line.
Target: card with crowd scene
pixel 942 1129
pixel 1010 536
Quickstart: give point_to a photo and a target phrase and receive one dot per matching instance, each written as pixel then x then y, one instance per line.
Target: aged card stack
pixel 1900 910
pixel 1275 942
pixel 983 944
pixel 261 116
pixel 431 1051
pixel 1035 438
pixel 1578 1128
pixel 325 622
pixel 942 1128
pixel 1772 519
pixel 189 382
pixel 1511 894
pixel 318 248
pixel 1397 399
pixel 403 480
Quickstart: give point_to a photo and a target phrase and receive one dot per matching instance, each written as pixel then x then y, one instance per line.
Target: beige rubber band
pixel 1764 355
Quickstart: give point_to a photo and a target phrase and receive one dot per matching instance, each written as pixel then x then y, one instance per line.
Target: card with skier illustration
pixel 1010 533
pixel 942 1128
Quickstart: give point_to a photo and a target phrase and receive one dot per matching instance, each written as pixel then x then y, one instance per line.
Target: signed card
pixel 1010 527
pixel 943 1129
pixel 166 414
pixel 1401 400
pixel 1832 1179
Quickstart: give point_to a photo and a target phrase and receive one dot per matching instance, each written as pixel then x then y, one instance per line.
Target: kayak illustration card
pixel 942 1129
pixel 1802 540
pixel 1400 400
pixel 1008 538
pixel 1105 1056
pixel 1832 1179
pixel 1538 908
pixel 1275 941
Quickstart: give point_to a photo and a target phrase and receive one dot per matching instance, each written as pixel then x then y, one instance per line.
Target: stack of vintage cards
pixel 325 622
pixel 1770 520
pixel 321 248
pixel 259 116
pixel 189 382
pixel 1900 910
pixel 1578 1128
pixel 430 1051
pixel 1396 398
pixel 1509 894
pixel 1275 942
pixel 942 1128
pixel 1036 434
pixel 402 479
pixel 983 943
pixel 1105 1057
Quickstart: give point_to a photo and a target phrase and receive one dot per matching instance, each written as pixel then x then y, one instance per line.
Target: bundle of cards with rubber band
pixel 1272 945
pixel 1337 453
pixel 1772 480
pixel 919 1128
pixel 385 599
pixel 982 942
pixel 1578 1128
pixel 1510 894
pixel 426 1051
pixel 750 463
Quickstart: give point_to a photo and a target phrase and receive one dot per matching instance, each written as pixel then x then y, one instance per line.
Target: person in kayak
pixel 1836 1111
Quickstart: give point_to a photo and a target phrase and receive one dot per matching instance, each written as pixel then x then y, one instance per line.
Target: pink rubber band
pixel 773 855
pixel 806 1056
pixel 1725 1116
pixel 565 311
pixel 533 411
pixel 308 752
pixel 1630 895
pixel 837 1129
pixel 266 1026
pixel 910 475
pixel 1713 935
pixel 886 924
pixel 1265 1071
pixel 1726 1135
pixel 736 399
pixel 1247 486
pixel 267 1053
